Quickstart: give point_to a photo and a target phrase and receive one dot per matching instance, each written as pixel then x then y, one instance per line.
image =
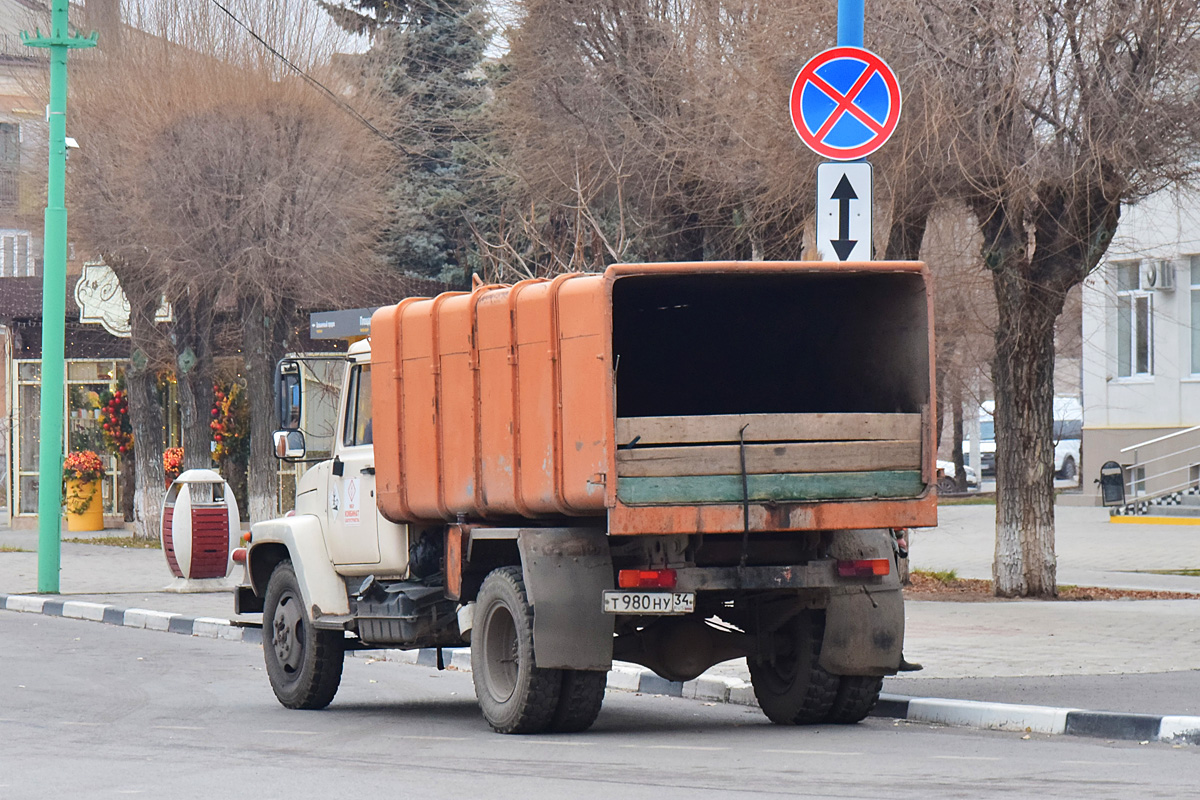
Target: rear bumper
pixel 815 575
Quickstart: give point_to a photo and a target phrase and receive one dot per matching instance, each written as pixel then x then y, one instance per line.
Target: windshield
pixel 987 430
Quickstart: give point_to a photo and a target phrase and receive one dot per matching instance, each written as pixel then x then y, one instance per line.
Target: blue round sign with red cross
pixel 845 103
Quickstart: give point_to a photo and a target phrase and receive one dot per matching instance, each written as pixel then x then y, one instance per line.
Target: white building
pixel 1141 348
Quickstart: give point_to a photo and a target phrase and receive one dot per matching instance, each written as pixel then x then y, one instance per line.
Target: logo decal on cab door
pixel 352 516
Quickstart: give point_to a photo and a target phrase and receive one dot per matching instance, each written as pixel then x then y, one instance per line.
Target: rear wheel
pixel 579 701
pixel 304 664
pixel 514 695
pixel 791 687
pixel 856 697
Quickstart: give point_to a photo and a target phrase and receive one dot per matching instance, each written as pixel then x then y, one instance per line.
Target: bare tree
pixel 248 189
pixel 1051 115
pixel 653 129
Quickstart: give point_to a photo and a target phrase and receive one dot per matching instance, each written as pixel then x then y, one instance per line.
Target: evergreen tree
pixel 430 54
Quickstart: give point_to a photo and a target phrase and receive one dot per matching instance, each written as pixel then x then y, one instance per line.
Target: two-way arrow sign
pixel 844 211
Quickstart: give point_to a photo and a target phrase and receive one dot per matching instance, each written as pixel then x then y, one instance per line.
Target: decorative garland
pixel 230 423
pixel 172 463
pixel 114 416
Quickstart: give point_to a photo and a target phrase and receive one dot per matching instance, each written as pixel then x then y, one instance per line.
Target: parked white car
pixel 1068 435
pixel 947 477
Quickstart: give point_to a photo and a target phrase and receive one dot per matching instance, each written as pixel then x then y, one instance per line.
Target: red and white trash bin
pixel 200 528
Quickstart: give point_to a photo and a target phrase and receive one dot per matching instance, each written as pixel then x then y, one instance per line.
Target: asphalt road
pixel 96 711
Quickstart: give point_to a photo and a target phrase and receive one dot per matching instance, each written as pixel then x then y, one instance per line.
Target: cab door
pixel 353 522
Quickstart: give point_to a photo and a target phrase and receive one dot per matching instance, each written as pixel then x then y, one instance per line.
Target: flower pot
pixel 91 518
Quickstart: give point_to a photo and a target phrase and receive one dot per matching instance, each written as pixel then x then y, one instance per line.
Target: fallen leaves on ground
pixel 924 587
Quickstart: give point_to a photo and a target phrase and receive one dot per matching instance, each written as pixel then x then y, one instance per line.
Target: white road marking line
pixel 177 728
pixel 672 747
pixel 966 758
pixel 84 724
pixel 295 733
pixel 813 752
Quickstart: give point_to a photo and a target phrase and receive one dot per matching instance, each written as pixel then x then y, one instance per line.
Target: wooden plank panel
pixel 768 428
pixel 724 459
pixel 694 489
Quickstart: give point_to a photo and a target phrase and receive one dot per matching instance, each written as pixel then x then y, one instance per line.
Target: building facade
pixel 1141 349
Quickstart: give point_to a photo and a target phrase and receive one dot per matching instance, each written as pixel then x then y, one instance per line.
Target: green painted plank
pixel 785 487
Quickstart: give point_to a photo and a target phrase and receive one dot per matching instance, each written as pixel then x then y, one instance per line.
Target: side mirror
pixel 289 445
pixel 289 398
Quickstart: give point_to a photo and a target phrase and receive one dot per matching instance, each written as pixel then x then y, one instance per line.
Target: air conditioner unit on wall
pixel 1158 274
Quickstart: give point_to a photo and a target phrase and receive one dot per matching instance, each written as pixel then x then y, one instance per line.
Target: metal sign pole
pixel 850 23
pixel 54 299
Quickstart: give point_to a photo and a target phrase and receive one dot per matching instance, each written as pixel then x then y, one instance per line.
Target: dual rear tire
pixel 515 695
pixel 793 689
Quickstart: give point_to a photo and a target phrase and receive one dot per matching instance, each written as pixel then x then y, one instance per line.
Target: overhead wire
pixel 313 81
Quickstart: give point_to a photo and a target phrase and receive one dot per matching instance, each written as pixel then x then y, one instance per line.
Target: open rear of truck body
pixel 671 398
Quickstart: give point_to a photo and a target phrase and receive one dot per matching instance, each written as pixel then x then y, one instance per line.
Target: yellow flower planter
pixel 92 517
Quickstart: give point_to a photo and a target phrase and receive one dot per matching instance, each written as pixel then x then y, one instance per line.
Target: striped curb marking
pixel 630 678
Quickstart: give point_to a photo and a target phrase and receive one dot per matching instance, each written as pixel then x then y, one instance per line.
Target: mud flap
pixel 566 572
pixel 864 633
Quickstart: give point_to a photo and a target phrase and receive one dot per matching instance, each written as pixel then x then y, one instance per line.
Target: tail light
pixel 864 567
pixel 239 555
pixel 646 579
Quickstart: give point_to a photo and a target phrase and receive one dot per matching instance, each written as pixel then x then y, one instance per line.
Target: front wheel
pixel 304 664
pixel 514 695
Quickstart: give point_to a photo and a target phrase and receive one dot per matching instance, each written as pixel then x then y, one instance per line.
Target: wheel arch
pixel 299 538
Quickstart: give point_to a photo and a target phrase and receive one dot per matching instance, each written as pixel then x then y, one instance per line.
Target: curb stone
pixel 1178 730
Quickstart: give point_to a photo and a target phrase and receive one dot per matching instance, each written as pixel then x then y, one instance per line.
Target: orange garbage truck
pixel 668 464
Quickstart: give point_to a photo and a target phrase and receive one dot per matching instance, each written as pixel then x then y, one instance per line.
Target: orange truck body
pixel 505 403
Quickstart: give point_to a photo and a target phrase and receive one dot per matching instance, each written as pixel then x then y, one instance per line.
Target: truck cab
pixel 342 488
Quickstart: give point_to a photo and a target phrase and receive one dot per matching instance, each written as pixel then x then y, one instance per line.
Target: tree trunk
pixel 263 346
pixel 956 432
pixel 128 484
pixel 192 336
pixel 910 217
pixel 1023 376
pixel 146 417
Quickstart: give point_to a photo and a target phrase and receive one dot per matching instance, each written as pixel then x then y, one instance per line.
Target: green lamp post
pixel 54 298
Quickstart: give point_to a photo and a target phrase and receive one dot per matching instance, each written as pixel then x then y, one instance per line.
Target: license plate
pixel 649 602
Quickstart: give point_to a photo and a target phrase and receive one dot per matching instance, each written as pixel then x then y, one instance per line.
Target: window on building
pixel 1138 480
pixel 1135 322
pixel 10 164
pixel 16 254
pixel 1195 315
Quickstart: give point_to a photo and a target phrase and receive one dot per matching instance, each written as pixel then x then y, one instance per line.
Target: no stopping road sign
pixel 845 103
